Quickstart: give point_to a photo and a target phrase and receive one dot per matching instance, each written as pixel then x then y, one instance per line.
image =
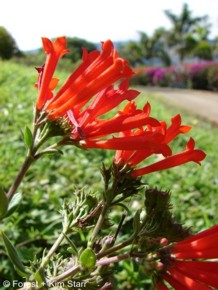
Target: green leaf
pixel 28 137
pixel 14 257
pixel 72 249
pixel 3 203
pixel 14 203
pixel 39 276
pixel 87 258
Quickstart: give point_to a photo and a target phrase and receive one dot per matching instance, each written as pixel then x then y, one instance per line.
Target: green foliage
pixel 4 203
pixel 75 46
pixel 146 49
pixel 8 47
pixel 203 50
pixel 14 256
pixel 87 259
pixel 132 52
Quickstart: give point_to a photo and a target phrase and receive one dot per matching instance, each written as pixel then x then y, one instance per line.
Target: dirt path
pixel 201 103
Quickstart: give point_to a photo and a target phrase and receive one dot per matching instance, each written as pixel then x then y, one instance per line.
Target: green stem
pixel 30 158
pixel 98 224
pixel 53 249
pixel 28 161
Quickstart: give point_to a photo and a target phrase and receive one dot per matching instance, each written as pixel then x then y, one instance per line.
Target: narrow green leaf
pixel 3 203
pixel 14 257
pixel 87 258
pixel 40 277
pixel 14 203
pixel 72 249
pixel 28 137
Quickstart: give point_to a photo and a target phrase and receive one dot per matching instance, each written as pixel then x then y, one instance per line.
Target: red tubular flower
pixel 130 117
pixel 46 82
pixel 133 157
pixel 183 270
pixel 97 72
pixel 190 154
pixel 89 93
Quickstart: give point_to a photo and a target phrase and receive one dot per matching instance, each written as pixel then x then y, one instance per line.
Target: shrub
pixel 198 76
pixel 212 77
pixel 201 76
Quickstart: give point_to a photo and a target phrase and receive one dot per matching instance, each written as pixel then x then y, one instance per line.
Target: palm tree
pixel 181 37
pixel 155 46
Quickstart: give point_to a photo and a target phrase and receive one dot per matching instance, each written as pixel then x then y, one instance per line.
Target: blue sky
pixel 94 20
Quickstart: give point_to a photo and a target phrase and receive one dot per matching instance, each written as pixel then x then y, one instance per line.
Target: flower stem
pixel 115 259
pixel 28 161
pixel 69 273
pixel 57 243
pixel 98 224
pixel 115 248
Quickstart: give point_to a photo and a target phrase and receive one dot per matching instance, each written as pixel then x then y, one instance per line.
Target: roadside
pixel 201 103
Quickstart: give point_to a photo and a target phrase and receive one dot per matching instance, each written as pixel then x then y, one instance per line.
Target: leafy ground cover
pixel 49 181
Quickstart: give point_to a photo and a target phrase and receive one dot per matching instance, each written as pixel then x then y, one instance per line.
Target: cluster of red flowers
pixel 90 92
pixel 191 263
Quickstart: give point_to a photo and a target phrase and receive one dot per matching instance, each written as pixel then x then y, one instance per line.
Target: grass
pixel 193 188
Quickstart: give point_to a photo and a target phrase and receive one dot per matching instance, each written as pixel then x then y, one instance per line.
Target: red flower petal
pixel 147 140
pixel 205 272
pixel 185 281
pixel 54 52
pixel 190 154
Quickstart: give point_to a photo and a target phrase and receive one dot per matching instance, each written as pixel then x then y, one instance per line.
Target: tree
pixel 8 46
pixel 181 36
pixel 75 46
pixel 147 48
pixel 155 46
pixel 203 50
pixel 132 52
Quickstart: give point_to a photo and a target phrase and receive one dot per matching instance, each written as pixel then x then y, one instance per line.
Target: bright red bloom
pixel 97 72
pixel 134 156
pixel 182 268
pixel 46 82
pixel 87 125
pixel 150 135
pixel 89 93
pixel 190 154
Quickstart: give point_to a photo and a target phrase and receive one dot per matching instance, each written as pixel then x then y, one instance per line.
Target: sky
pixel 94 20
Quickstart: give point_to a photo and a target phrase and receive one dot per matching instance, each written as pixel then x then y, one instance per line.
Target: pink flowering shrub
pixel 202 76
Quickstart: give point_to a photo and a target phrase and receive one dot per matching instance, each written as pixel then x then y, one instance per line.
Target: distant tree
pixel 155 46
pixel 202 30
pixel 215 48
pixel 203 50
pixel 181 36
pixel 132 52
pixel 8 46
pixel 75 46
pixel 146 49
